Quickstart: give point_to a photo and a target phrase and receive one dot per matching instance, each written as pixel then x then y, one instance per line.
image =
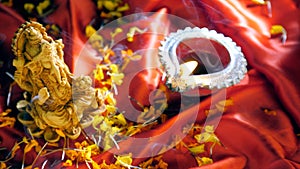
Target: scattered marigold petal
pixel 6 121
pixel 28 7
pixel 123 8
pixel 96 41
pixel 207 136
pixel 2 165
pixel 211 112
pixel 42 6
pixel 117 78
pixel 71 154
pixel 209 128
pixel 270 112
pixel 277 30
pixel 95 165
pixel 132 31
pixel 197 149
pixel 110 5
pixel 224 104
pixel 119 119
pixel 124 160
pixel 203 161
pixel 5 113
pixel 68 163
pixel 110 99
pixel 116 32
pixel 30 145
pixel 89 31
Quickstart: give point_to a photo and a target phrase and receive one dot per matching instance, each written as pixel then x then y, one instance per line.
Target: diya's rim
pixel 232 74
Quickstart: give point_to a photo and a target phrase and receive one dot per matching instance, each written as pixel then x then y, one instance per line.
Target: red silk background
pixel 251 138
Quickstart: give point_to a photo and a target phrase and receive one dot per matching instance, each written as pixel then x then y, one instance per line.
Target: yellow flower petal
pixel 72 154
pixel 114 68
pixel 42 5
pixel 98 73
pixel 95 165
pixel 99 4
pixel 5 113
pixel 124 160
pixel 89 31
pixel 111 109
pixel 110 99
pixel 206 137
pixel 203 161
pixel 2 165
pixel 28 7
pixel 119 119
pixel 30 145
pixel 130 39
pixel 132 31
pixel 110 5
pixel 197 149
pixel 68 163
pixel 279 29
pixel 209 128
pixel 117 78
pixel 117 31
pixel 276 29
pixel 123 8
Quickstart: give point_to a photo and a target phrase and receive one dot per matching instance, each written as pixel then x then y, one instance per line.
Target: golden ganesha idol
pixel 52 103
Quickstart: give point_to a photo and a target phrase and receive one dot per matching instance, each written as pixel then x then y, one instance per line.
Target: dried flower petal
pixel 30 145
pixel 68 163
pixel 110 5
pixel 42 6
pixel 269 112
pixel 124 160
pixel 89 31
pixel 6 121
pixel 277 30
pixel 123 8
pixel 203 161
pixel 132 31
pixel 2 165
pixel 116 32
pixel 197 149
pixel 29 7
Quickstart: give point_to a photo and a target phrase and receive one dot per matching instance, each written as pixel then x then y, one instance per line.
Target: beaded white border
pixel 230 75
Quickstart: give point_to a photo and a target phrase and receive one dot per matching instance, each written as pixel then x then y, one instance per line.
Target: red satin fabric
pixel 251 138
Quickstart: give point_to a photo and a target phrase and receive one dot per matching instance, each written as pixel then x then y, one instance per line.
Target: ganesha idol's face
pixel 34 36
